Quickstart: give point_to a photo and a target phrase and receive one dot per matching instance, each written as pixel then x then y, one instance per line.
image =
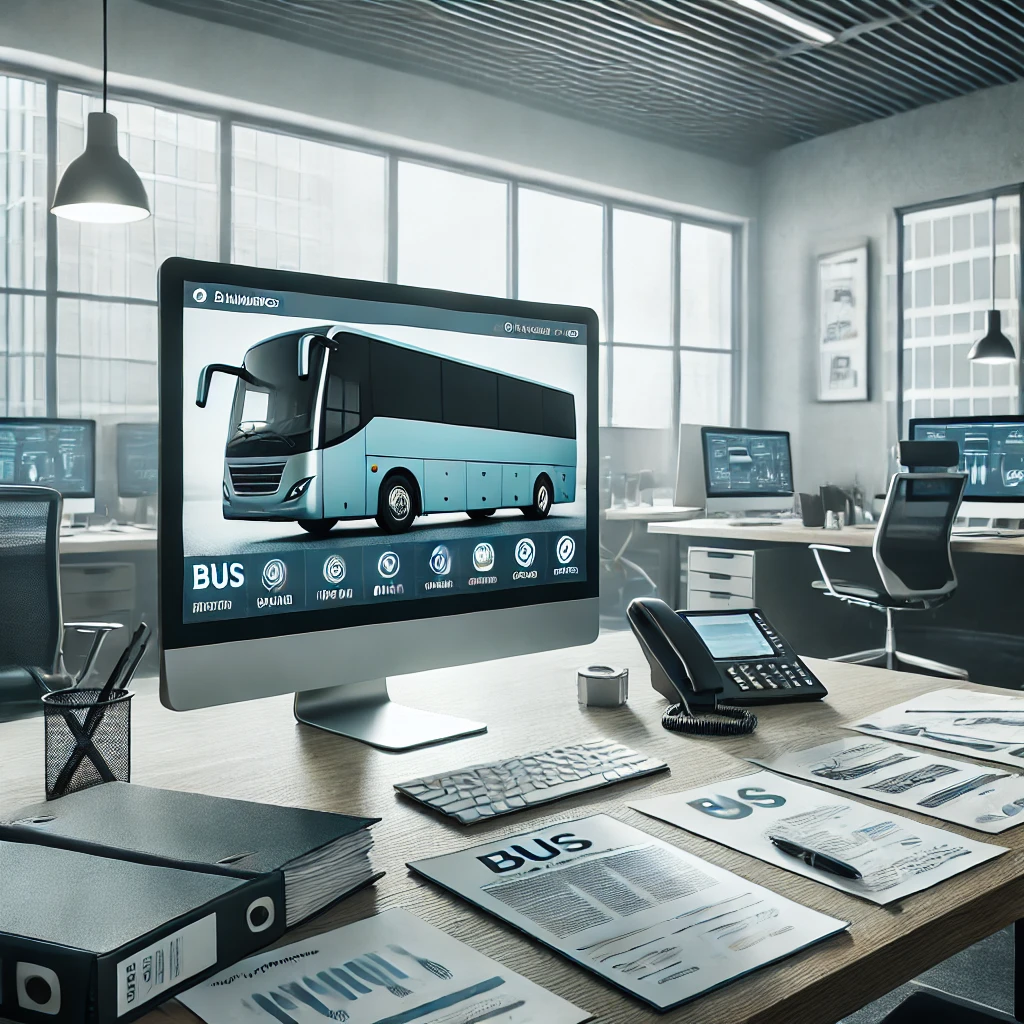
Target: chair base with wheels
pixel 875 598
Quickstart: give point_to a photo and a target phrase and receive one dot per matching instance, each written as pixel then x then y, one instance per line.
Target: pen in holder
pixel 88 739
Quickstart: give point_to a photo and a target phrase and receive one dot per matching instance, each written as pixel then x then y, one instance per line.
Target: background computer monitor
pixel 734 469
pixel 57 453
pixel 137 448
pixel 301 418
pixel 992 456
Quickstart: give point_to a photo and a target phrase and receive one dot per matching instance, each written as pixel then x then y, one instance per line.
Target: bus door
pixel 346 412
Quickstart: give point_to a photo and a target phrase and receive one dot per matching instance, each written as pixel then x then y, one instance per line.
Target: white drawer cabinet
pixel 719 578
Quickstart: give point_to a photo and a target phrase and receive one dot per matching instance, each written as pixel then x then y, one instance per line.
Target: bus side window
pixel 342 413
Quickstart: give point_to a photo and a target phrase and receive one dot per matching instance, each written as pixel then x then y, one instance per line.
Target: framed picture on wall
pixel 843 326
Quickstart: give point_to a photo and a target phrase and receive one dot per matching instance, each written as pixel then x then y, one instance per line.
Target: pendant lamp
pixel 994 347
pixel 100 186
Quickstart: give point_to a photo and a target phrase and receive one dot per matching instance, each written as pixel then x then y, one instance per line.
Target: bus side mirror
pixel 306 343
pixel 203 390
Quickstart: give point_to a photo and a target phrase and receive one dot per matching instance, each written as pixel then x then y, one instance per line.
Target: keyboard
pixel 503 787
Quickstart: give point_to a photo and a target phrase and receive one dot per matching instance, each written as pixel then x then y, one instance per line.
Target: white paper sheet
pixel 656 921
pixel 389 969
pixel 989 726
pixel 977 796
pixel 896 856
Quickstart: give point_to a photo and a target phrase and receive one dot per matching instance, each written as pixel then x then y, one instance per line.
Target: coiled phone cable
pixel 731 721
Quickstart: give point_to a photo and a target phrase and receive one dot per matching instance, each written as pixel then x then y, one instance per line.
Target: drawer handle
pixel 719 554
pixel 720 595
pixel 719 576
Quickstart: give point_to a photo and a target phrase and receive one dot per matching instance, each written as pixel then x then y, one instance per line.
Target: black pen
pixel 813 859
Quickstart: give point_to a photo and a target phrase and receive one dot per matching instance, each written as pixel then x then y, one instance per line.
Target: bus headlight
pixel 224 490
pixel 298 490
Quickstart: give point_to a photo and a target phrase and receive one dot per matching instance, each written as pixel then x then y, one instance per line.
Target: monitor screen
pixel 747 463
pixel 731 636
pixel 136 459
pixel 991 452
pixel 51 453
pixel 346 460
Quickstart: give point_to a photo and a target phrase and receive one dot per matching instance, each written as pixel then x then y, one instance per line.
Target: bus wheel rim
pixel 398 502
pixel 542 498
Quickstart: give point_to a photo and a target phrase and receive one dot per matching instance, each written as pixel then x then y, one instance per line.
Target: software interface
pixel 991 454
pixel 322 414
pixel 731 636
pixel 136 459
pixel 745 463
pixel 49 453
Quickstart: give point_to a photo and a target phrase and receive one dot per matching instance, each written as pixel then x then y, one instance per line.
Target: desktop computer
pixel 360 480
pixel 992 456
pixel 137 466
pixel 734 470
pixel 57 453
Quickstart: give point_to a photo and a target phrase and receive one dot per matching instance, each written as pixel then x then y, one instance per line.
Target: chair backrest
pixel 929 456
pixel 911 547
pixel 30 615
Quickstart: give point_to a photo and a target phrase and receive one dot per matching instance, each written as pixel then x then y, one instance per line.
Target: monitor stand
pixel 365 712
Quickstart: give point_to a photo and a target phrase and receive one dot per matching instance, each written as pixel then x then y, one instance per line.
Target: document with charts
pixel 389 969
pixel 658 922
pixel 896 856
pixel 978 796
pixel 989 726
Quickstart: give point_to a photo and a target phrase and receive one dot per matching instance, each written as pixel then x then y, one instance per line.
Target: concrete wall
pixel 840 189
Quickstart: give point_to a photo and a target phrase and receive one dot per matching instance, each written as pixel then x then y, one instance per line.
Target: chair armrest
pixel 816 550
pixel 99 631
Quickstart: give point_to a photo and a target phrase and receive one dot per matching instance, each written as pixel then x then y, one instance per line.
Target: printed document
pixel 658 922
pixel 389 969
pixel 895 856
pixel 968 794
pixel 989 726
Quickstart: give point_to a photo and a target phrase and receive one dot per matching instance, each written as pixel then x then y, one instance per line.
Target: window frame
pixel 228 118
pixel 901 213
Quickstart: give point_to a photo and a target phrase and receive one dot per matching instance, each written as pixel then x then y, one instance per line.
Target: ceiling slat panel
pixel 705 75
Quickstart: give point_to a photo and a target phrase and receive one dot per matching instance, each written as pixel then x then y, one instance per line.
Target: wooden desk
pixel 794 532
pixel 95 542
pixel 257 752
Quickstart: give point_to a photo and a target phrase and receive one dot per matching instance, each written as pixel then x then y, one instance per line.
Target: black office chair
pixel 31 627
pixel 912 556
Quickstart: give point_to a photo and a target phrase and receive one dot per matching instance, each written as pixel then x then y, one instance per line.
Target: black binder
pixel 89 940
pixel 318 857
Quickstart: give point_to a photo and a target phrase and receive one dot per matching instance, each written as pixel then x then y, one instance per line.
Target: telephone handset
pixel 717 663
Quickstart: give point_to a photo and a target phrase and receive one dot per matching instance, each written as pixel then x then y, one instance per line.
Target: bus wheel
pixel 480 513
pixel 318 527
pixel 541 499
pixel 396 504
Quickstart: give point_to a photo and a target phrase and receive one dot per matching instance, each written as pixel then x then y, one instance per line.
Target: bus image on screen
pixel 329 423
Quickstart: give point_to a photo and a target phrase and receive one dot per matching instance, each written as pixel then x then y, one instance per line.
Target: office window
pixel 298 204
pixel 560 247
pixel 452 230
pixel 106 274
pixel 642 276
pixel 22 247
pixel 947 292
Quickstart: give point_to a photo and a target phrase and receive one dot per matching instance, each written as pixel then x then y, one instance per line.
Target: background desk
pixel 979 628
pixel 257 752
pixel 109 576
pixel 636 516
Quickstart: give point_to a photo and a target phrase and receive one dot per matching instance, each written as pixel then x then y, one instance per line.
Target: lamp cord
pixel 104 56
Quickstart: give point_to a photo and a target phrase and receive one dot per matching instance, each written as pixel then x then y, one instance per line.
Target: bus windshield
pixel 274 416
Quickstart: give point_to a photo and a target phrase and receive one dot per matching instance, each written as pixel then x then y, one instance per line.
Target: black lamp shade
pixel 100 185
pixel 995 347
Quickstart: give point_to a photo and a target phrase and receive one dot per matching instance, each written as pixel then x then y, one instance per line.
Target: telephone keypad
pixel 772 675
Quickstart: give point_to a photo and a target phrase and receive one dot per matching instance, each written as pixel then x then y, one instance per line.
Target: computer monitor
pixel 992 456
pixel 57 453
pixel 734 469
pixel 137 447
pixel 360 480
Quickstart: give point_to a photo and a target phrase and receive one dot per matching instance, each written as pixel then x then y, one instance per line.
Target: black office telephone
pixel 718 663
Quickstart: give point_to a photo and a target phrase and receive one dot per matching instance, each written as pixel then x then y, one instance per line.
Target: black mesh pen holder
pixel 88 740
